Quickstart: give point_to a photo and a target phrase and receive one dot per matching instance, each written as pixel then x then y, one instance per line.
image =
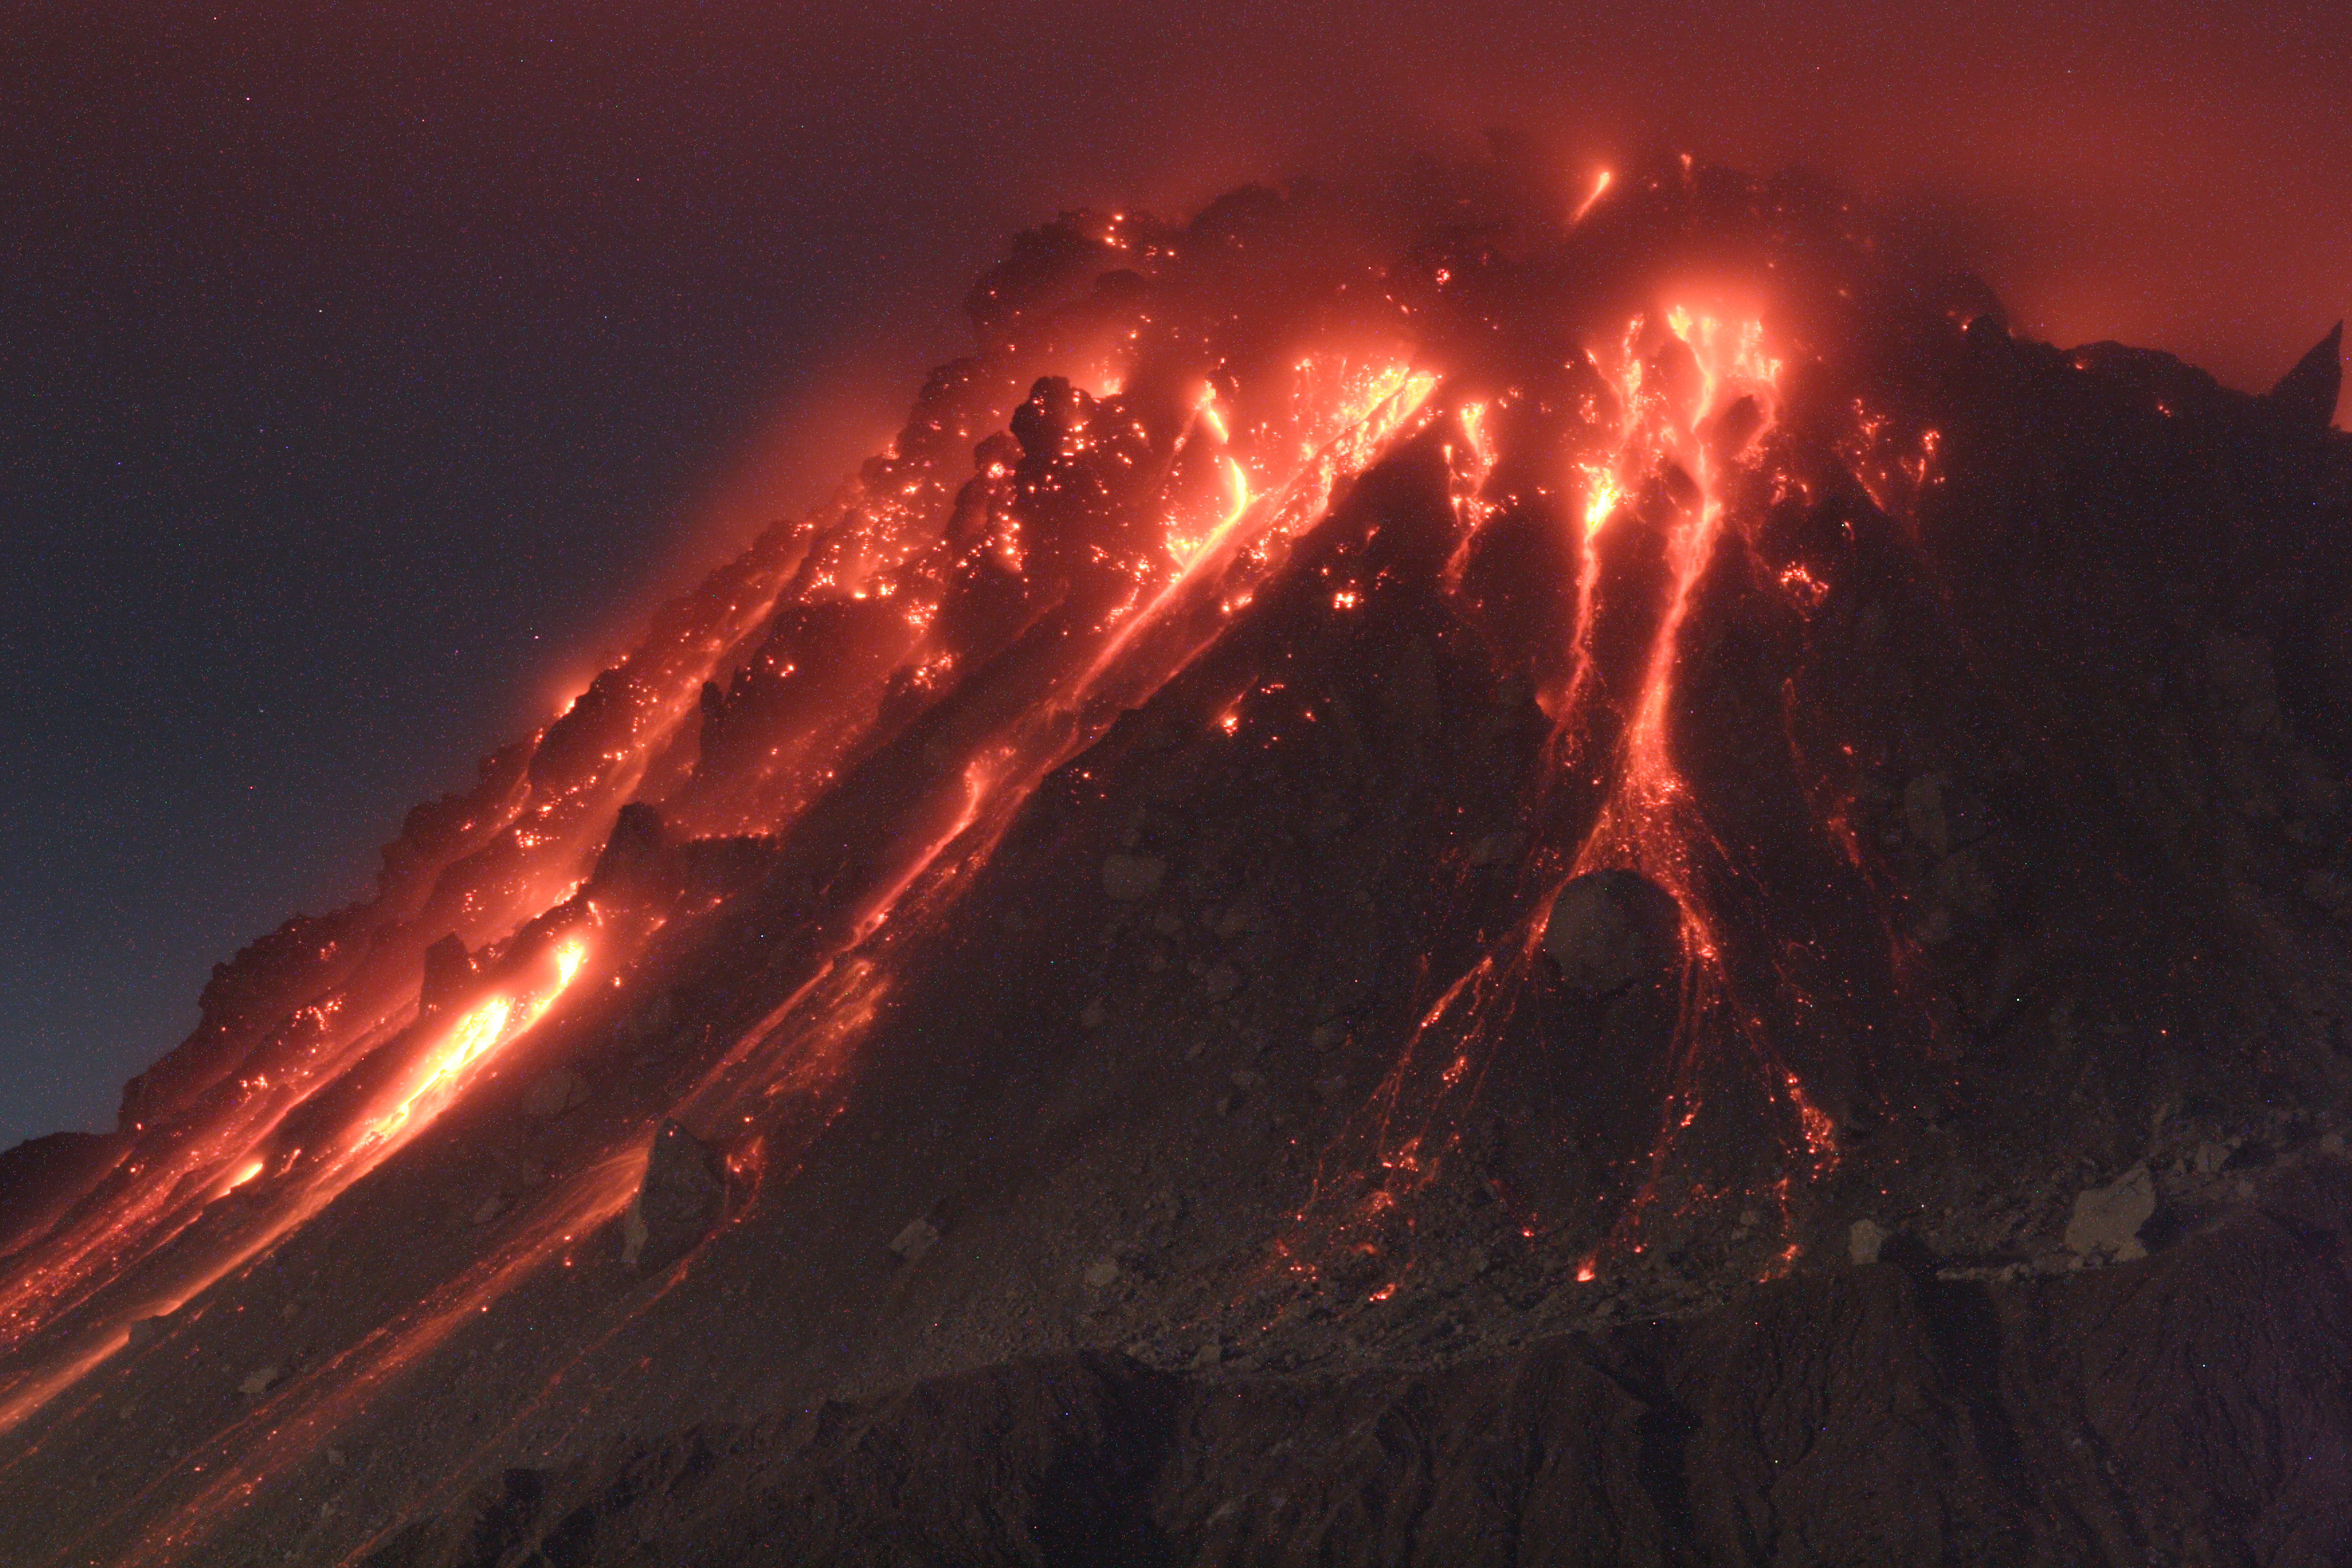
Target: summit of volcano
pixel 1518 877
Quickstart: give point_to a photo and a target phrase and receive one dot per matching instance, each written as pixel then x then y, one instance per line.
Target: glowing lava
pixel 821 747
pixel 482 1030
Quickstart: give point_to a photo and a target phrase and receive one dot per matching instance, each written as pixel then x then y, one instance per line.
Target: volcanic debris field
pixel 1462 879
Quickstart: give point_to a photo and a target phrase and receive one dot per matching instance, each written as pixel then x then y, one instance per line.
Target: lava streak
pixel 1658 474
pixel 444 1072
pixel 304 1186
pixel 1649 821
pixel 814 755
pixel 1668 432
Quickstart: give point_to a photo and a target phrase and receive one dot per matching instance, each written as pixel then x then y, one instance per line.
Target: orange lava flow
pixel 296 1420
pixel 490 1024
pixel 1648 821
pixel 807 1043
pixel 1634 828
pixel 1694 400
pixel 438 1080
pixel 1599 187
pixel 67 1301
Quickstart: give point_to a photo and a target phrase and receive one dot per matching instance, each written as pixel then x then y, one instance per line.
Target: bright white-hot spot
pixel 1585 205
pixel 483 1029
pixel 1239 484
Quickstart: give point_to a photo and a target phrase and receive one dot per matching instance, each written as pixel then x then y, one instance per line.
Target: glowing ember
pixel 805 769
pixel 1599 187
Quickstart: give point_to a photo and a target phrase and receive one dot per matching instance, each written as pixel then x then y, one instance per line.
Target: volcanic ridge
pixel 1480 875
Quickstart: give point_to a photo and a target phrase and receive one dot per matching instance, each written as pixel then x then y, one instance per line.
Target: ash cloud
pixel 384 335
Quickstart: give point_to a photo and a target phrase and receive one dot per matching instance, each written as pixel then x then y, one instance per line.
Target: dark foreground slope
pixel 2196 1408
pixel 1343 980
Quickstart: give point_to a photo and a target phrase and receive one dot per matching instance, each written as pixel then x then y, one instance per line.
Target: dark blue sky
pixel 364 369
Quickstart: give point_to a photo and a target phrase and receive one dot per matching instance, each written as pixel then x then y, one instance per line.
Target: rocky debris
pixel 1127 877
pixel 2027 618
pixel 260 1381
pixel 678 1202
pixel 651 1024
pixel 449 972
pixel 1610 929
pixel 2107 1221
pixel 916 1241
pixel 1865 1416
pixel 1102 1274
pixel 1865 1240
pixel 145 1331
pixel 632 856
pixel 1502 847
pixel 554 1093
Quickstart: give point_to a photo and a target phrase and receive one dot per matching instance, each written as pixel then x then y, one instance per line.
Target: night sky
pixel 366 370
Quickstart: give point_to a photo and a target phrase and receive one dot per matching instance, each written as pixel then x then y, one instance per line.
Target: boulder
pixel 1609 930
pixel 2107 1221
pixel 916 1240
pixel 678 1202
pixel 449 972
pixel 1940 815
pixel 633 854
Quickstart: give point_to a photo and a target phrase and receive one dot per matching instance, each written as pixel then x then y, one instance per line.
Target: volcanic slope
pixel 1315 924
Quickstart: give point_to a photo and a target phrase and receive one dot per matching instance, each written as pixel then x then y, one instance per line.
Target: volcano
pixel 1499 877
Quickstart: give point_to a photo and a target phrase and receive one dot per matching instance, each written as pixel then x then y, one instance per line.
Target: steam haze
pixel 365 371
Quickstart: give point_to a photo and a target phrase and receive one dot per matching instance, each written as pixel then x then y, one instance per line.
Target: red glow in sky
pixel 420 336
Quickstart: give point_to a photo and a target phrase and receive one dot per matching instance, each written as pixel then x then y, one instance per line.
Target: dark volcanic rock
pixel 633 849
pixel 449 970
pixel 2195 1408
pixel 1612 928
pixel 40 1177
pixel 682 1196
pixel 1112 888
pixel 2305 395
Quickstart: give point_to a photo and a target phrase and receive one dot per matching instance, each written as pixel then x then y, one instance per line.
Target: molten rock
pixel 1113 830
pixel 677 1204
pixel 1610 929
